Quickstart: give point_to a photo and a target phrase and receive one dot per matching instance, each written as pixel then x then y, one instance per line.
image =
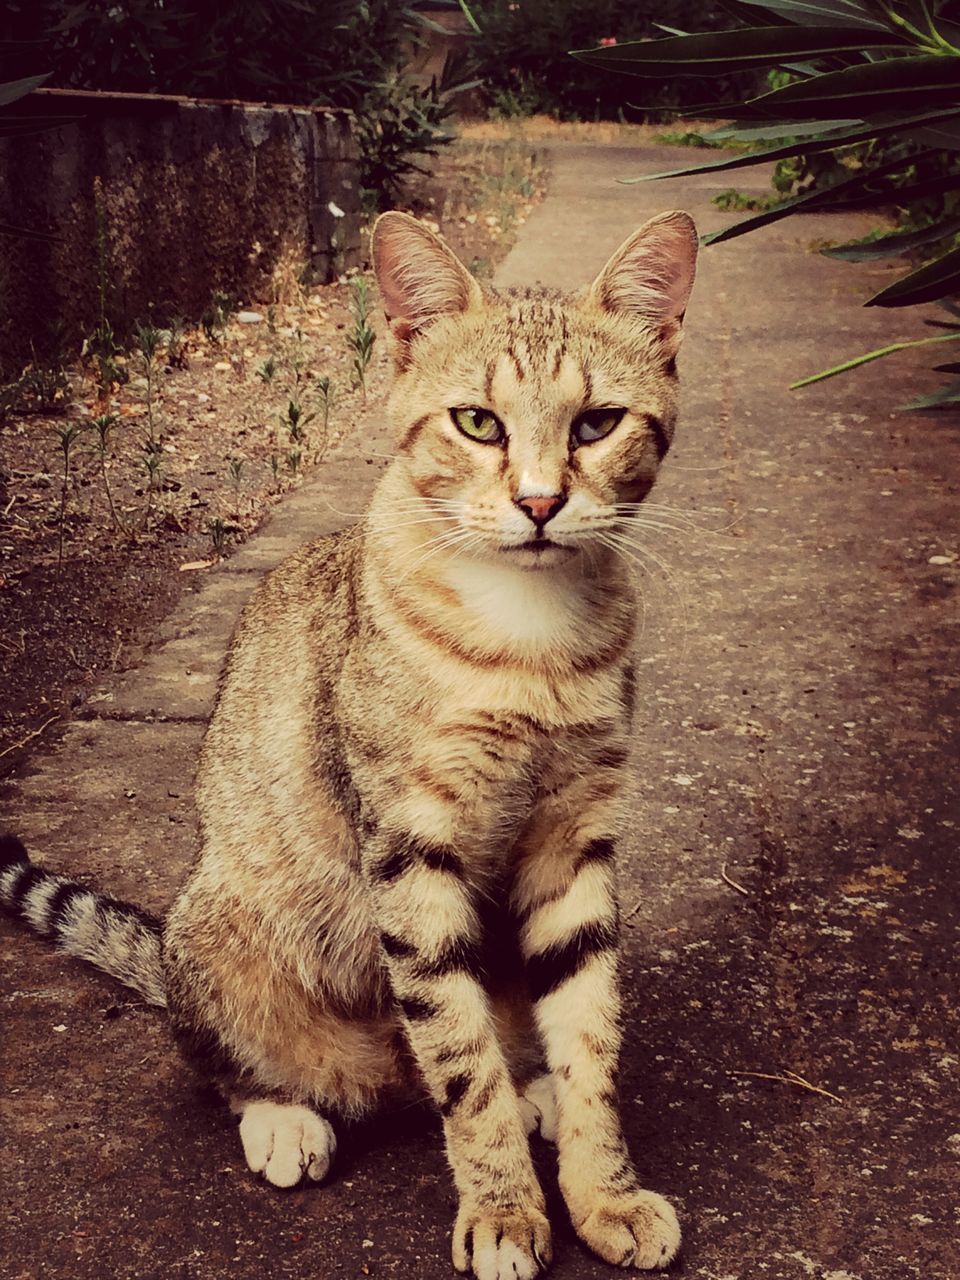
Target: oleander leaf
pixel 722 52
pixel 856 361
pixel 847 13
pixel 948 394
pixel 893 245
pixel 859 132
pixel 13 90
pixel 893 84
pixel 938 279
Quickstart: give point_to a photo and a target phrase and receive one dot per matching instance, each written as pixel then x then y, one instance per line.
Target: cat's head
pixel 528 422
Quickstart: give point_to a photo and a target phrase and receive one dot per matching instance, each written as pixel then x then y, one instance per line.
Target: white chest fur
pixel 532 611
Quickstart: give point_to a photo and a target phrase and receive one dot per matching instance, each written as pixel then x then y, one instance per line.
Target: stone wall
pixel 161 202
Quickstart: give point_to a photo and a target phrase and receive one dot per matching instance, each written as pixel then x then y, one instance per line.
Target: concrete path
pixel 797 738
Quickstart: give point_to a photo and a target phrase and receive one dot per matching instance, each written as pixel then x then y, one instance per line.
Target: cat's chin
pixel 537 555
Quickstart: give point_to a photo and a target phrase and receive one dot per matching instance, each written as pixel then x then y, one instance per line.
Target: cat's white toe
pixel 538 1106
pixel 284 1141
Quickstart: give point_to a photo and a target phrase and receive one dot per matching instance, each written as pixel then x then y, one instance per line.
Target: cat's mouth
pixel 539 551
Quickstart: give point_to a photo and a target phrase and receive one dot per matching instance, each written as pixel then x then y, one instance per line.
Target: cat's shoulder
pixel 316 573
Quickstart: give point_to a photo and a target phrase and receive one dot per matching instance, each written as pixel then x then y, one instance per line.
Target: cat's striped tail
pixel 118 938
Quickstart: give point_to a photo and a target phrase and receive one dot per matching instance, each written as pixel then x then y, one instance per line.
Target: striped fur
pixel 409 791
pixel 118 938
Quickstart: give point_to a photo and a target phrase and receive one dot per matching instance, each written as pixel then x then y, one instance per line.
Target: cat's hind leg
pixel 284 1140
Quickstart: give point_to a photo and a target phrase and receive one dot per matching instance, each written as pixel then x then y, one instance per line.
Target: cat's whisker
pixel 434 551
pixel 703 539
pixel 442 541
pixel 714 466
pixel 347 515
pixel 624 526
pixel 630 549
pixel 655 526
pixel 400 506
pixel 389 526
pixel 634 511
pixel 662 510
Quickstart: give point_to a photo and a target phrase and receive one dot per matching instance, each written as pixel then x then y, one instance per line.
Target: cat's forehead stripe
pixel 535 339
pixel 531 371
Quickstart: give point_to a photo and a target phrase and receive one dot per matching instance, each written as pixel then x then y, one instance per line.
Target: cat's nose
pixel 540 510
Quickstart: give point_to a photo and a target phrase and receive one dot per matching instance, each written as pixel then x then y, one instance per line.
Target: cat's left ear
pixel 651 275
pixel 420 278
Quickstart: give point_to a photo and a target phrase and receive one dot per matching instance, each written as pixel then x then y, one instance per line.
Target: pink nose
pixel 540 510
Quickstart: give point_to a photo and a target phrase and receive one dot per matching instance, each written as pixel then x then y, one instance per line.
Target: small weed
pixel 325 390
pixel 100 348
pixel 734 199
pixel 688 139
pixel 176 343
pixel 103 426
pixel 10 401
pixel 42 389
pixel 294 460
pixel 218 530
pixel 296 421
pixel 216 318
pixel 101 345
pixel 235 468
pixel 152 462
pixel 148 342
pixel 266 370
pixel 361 337
pixel 67 437
pixel 297 360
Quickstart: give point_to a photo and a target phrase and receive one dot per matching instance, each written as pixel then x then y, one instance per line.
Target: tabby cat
pixel 408 792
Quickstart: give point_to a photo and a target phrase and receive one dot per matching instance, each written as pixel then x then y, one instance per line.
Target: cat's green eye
pixel 595 424
pixel 479 424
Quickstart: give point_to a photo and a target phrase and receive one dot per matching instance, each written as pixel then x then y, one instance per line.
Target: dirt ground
pixel 83 587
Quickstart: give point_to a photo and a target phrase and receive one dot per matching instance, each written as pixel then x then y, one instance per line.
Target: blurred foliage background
pixel 523 64
pixel 334 53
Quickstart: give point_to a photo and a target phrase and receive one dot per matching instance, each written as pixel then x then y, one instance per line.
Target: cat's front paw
pixel 500 1243
pixel 284 1141
pixel 639 1229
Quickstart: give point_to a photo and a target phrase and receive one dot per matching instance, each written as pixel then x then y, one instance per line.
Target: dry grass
pixel 545 129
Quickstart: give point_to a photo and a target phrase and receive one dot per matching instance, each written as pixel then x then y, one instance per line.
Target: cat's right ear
pixel 419 277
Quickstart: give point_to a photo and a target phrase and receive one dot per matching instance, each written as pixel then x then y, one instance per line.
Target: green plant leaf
pixel 722 52
pixel 771 132
pixel 15 89
pixel 887 246
pixel 879 354
pixel 859 132
pixel 847 13
pixel 938 279
pixel 894 84
pixel 945 136
pixel 948 394
pixel 471 20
